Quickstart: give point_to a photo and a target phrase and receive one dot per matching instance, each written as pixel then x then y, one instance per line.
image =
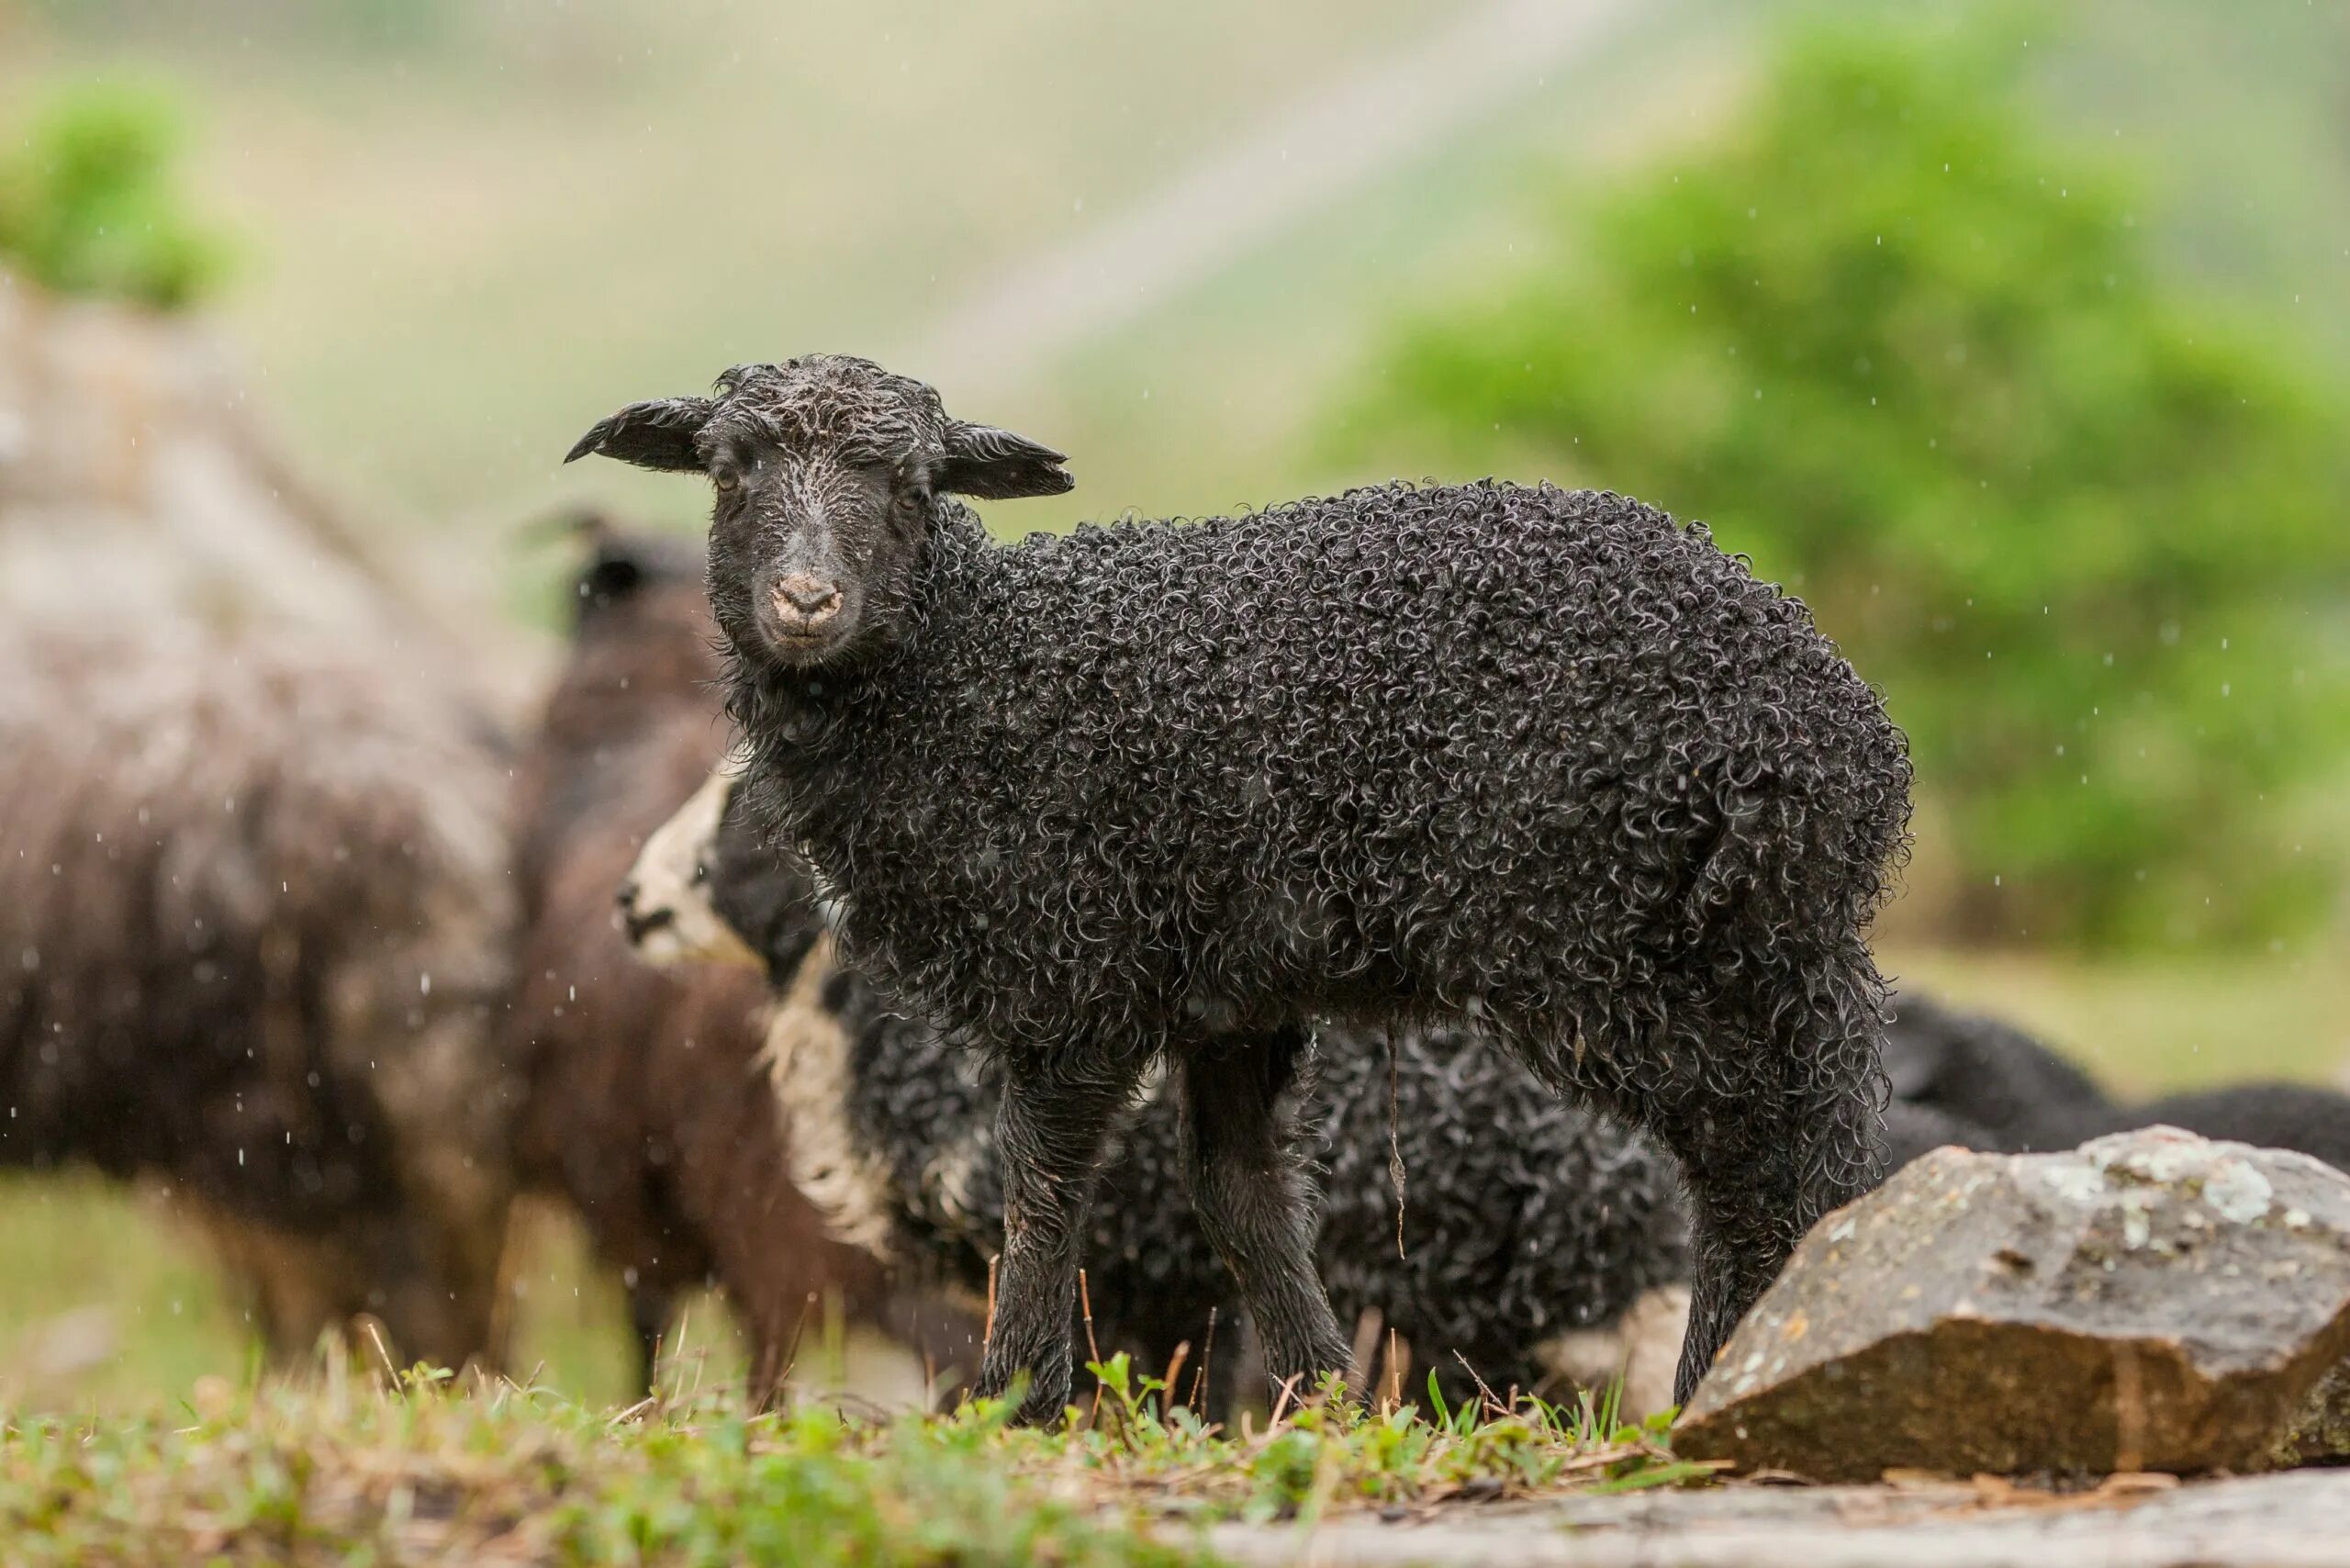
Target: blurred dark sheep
pixel 255 922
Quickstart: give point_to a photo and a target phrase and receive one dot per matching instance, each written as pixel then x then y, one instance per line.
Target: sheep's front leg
pixel 1051 1130
pixel 1254 1202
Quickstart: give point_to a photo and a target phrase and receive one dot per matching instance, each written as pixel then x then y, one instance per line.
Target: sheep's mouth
pixel 640 926
pixel 804 647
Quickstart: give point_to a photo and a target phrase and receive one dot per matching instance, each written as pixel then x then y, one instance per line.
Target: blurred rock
pixel 2150 1302
pixel 138 482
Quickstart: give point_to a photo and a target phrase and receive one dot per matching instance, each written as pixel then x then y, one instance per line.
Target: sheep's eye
pixel 702 873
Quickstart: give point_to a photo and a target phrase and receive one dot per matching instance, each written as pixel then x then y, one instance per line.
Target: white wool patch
pixel 806 1057
pixel 949 1174
pixel 1643 1346
pixel 672 876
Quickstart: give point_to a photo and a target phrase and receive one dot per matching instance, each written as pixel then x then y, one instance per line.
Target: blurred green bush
pixel 89 204
pixel 2087 530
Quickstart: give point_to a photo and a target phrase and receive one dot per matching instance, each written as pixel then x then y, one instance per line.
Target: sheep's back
pixel 1442 739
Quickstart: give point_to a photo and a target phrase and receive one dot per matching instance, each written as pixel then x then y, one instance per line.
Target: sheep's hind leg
pixel 1764 1164
pixel 1253 1201
pixel 1050 1128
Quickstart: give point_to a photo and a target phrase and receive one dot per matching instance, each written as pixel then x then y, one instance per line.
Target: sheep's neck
pixel 821 737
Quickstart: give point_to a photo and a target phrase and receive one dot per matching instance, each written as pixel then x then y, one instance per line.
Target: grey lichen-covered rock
pixel 2150 1301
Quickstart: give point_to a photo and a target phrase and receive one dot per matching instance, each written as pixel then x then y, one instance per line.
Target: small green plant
pixel 90 202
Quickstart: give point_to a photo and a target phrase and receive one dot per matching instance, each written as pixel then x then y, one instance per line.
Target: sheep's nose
pixel 639 926
pixel 802 601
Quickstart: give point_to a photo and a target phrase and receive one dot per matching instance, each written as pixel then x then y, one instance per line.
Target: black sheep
pixel 1992 1074
pixel 1543 1246
pixel 1546 761
pixel 1527 1224
pixel 2024 1098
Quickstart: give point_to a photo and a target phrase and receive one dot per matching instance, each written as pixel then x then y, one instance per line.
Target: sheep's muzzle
pixel 802 603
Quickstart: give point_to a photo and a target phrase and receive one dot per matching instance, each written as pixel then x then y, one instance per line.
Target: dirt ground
pixel 2301 1519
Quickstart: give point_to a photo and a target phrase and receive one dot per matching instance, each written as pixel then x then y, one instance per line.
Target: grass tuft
pixel 350 1466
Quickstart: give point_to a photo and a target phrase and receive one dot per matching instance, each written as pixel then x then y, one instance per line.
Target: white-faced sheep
pixel 1546 760
pixel 254 922
pixel 643 1107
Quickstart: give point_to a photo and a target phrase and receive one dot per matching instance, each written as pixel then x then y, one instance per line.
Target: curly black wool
pixel 1524 1218
pixel 1546 760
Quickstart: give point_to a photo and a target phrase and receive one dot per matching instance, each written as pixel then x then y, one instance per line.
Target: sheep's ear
pixel 998 465
pixel 657 434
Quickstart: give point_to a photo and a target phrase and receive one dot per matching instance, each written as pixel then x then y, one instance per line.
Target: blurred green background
pixel 2009 337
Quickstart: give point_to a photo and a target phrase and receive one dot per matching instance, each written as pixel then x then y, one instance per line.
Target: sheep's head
pixel 708 885
pixel 826 469
pixel 666 901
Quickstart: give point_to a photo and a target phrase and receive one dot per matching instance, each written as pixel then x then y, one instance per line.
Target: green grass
pixel 355 1465
pixel 116 1305
pixel 106 1303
